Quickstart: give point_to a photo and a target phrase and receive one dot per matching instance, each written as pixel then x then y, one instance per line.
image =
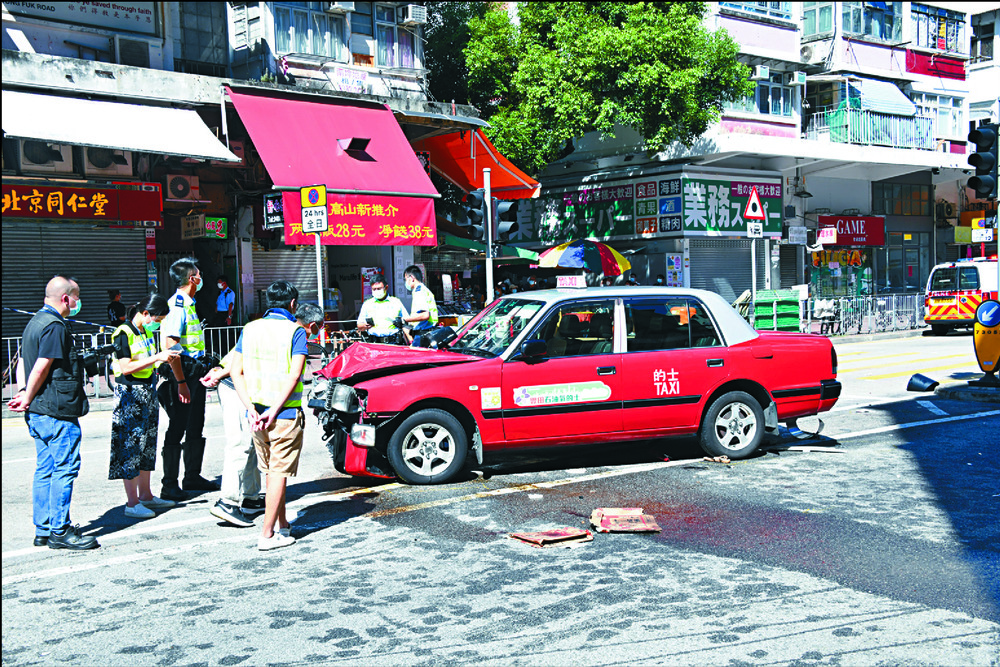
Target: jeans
pixel 240 476
pixel 57 445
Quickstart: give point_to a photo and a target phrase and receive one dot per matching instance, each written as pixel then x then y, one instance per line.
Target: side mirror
pixel 439 338
pixel 532 349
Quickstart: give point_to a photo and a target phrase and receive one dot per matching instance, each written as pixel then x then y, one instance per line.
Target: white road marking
pixel 932 408
pixel 311 500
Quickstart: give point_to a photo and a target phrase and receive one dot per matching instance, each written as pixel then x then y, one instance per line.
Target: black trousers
pixel 187 421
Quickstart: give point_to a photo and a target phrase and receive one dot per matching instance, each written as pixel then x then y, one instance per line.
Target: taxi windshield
pixel 496 330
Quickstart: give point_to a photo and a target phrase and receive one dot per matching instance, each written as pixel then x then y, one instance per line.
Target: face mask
pixel 659 282
pixel 409 290
pixel 221 286
pixel 75 310
pixel 201 283
pixel 152 326
pixel 378 294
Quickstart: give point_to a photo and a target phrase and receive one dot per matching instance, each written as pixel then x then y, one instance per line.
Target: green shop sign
pixel 675 206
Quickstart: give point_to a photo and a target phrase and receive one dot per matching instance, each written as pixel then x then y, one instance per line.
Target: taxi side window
pixel 968 278
pixel 667 324
pixel 576 329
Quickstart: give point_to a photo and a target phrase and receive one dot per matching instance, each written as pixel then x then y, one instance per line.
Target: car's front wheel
pixel 733 426
pixel 430 446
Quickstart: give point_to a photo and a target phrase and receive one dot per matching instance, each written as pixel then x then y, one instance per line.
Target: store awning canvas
pixel 460 158
pixel 112 125
pixel 883 97
pixel 377 191
pixel 469 244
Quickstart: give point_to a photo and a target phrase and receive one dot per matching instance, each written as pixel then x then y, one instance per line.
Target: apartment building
pixel 855 139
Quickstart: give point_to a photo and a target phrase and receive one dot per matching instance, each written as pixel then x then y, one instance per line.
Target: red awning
pixel 303 143
pixel 377 186
pixel 461 156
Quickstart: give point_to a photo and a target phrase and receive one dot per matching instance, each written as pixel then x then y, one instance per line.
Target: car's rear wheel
pixel 939 329
pixel 430 446
pixel 733 426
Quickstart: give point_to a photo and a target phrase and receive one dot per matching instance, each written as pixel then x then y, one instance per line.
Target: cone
pixel 921 383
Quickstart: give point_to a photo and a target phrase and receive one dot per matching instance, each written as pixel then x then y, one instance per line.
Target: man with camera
pixel 53 398
pixel 381 315
pixel 186 394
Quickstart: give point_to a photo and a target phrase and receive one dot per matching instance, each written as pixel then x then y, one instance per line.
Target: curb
pixel 967 393
pixel 888 335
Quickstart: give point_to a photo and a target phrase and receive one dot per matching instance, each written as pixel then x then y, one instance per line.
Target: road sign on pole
pixel 755 230
pixel 754 210
pixel 315 220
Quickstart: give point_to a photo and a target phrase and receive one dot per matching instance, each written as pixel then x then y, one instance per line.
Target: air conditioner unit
pixel 42 157
pixel 761 73
pixel 414 15
pixel 944 210
pixel 796 78
pixel 339 7
pixel 134 52
pixel 182 186
pixel 807 53
pixel 106 162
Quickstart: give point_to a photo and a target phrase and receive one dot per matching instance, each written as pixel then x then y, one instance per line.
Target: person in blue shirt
pixel 184 392
pixel 225 303
pixel 423 308
pixel 266 369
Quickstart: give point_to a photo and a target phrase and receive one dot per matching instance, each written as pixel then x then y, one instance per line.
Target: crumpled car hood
pixel 364 361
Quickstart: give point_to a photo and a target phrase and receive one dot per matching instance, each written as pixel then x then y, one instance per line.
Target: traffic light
pixel 506 219
pixel 475 213
pixel 984 160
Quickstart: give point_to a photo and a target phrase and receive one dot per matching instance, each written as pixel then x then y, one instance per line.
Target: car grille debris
pixel 622 520
pixel 557 537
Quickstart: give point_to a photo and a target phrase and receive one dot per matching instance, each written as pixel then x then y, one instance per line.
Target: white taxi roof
pixel 734 328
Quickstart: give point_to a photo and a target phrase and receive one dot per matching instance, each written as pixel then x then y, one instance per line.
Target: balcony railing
pixel 868 128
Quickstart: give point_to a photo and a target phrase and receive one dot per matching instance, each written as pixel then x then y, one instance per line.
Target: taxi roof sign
pixel 313 195
pixel 754 210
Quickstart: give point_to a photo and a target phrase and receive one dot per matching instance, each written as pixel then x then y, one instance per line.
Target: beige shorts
pixel 278 447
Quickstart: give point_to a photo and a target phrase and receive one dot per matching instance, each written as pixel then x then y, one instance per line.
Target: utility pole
pixel 489 234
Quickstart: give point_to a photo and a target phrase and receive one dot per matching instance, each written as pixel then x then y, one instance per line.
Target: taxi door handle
pixel 716 363
pixel 606 370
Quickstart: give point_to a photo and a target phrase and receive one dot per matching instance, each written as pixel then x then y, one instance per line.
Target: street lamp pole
pixel 488 205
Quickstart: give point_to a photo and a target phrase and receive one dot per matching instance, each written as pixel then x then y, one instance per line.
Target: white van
pixel 955 290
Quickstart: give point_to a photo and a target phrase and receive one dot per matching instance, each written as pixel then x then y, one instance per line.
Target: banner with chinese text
pixel 69 203
pixel 365 220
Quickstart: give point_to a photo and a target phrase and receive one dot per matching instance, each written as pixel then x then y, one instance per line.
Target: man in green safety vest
pixel 380 313
pixel 423 307
pixel 266 369
pixel 182 328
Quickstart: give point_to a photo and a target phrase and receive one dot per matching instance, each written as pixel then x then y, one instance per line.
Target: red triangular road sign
pixel 754 211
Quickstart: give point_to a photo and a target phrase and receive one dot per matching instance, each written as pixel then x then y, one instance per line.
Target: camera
pixel 90 357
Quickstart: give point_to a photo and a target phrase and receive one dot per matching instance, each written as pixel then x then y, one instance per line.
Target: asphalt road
pixel 878 545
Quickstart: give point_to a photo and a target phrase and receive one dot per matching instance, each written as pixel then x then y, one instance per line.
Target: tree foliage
pixel 446 35
pixel 567 68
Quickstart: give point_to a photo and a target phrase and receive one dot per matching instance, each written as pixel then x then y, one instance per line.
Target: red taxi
pixel 566 367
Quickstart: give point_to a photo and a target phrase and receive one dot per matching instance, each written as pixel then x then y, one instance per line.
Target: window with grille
pixel 901 199
pixel 938 29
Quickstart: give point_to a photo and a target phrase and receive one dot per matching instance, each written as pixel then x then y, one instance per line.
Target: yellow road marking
pixel 856 354
pixel 920 370
pixel 853 369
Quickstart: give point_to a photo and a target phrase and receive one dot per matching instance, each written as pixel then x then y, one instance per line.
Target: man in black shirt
pixel 50 391
pixel 116 311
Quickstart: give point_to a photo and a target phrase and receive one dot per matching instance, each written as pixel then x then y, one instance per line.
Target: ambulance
pixel 955 290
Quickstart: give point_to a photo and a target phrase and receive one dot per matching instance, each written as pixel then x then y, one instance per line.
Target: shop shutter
pixel 296 266
pixel 99 258
pixel 788 259
pixel 724 266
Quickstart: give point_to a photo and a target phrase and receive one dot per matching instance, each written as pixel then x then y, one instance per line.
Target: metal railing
pixel 868 128
pixel 845 316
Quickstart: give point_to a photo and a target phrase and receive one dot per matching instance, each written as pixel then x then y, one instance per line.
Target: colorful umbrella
pixel 583 254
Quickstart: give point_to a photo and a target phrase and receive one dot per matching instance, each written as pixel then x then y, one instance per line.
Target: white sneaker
pixel 158 503
pixel 276 541
pixel 140 511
